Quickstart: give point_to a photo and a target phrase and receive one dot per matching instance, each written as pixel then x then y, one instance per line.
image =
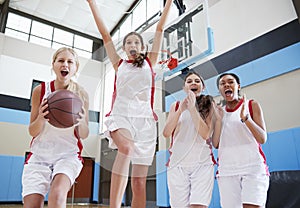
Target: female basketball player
pixel 54 161
pixel 191 164
pixel 131 122
pixel 240 130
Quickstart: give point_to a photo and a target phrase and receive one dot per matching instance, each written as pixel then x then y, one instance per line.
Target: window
pixel 63 37
pixel 18 26
pixel 153 7
pixel 139 15
pixel 126 27
pixel 41 30
pixel 34 31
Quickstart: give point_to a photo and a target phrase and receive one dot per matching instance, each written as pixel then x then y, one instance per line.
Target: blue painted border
pixel 23 117
pixel 269 66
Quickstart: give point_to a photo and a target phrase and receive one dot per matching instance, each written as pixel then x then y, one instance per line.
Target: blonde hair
pixel 73 86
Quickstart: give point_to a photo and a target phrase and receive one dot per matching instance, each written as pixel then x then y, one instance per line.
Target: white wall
pixel 235 22
pixel 20 63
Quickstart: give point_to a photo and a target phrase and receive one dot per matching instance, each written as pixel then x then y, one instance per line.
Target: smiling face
pixel 132 45
pixel 194 83
pixel 229 87
pixel 65 64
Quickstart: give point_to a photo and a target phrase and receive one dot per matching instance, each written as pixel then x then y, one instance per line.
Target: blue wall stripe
pixel 23 117
pixel 271 65
pixel 14 116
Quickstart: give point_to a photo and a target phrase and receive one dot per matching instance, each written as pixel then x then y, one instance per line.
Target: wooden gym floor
pixel 68 206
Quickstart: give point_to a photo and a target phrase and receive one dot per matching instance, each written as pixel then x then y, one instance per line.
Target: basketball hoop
pixel 171 62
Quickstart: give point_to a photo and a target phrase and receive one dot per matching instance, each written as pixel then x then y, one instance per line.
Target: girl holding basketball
pixel 54 161
pixel 243 176
pixel 191 164
pixel 131 123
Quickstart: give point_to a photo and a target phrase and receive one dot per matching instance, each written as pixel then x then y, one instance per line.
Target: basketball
pixel 64 107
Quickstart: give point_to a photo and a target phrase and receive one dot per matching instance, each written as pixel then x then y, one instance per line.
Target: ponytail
pixel 77 89
pixel 139 59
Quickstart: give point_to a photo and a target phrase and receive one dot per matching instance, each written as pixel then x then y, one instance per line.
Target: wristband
pixel 245 119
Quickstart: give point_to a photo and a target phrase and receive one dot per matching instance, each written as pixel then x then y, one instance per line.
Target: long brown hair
pixel 204 104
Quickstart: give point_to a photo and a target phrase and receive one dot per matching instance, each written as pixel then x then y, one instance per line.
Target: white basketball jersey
pixel 54 142
pixel 239 152
pixel 133 95
pixel 187 146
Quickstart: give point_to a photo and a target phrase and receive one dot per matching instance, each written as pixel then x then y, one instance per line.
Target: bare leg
pixel 197 206
pixel 138 185
pixel 33 201
pixel 119 176
pixel 251 206
pixel 58 191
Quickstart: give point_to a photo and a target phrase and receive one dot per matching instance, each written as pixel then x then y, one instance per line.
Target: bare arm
pixel 153 54
pixel 108 43
pixel 217 124
pixel 37 120
pixel 256 124
pixel 172 119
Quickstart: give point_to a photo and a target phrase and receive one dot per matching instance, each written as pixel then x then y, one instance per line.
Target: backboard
pixel 188 38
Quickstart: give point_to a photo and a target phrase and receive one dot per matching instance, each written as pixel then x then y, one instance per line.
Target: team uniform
pixel 53 151
pixel 190 170
pixel 243 175
pixel 132 109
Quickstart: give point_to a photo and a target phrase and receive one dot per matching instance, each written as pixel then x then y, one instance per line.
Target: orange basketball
pixel 64 107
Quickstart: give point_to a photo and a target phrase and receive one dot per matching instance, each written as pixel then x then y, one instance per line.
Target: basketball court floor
pixel 68 206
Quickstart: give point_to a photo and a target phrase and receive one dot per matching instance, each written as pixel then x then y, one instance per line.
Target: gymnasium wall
pixel 21 63
pixel 272 78
pixel 260 41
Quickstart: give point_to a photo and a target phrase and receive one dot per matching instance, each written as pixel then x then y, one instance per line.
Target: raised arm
pixel 157 41
pixel 108 43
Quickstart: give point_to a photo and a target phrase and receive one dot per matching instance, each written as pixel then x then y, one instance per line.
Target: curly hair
pixel 204 104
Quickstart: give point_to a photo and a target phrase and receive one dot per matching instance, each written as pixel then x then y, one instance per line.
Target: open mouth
pixel 64 73
pixel 194 89
pixel 228 92
pixel 133 52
